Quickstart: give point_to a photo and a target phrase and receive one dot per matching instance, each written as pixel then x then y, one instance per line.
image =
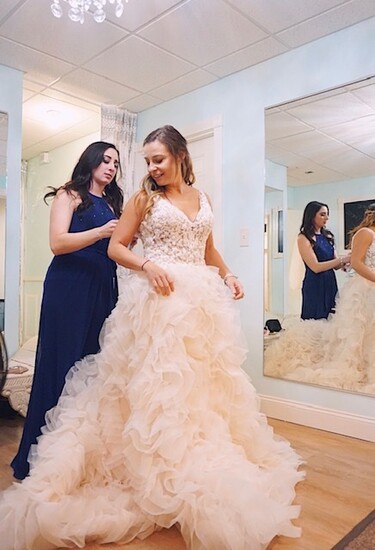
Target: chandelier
pixel 78 9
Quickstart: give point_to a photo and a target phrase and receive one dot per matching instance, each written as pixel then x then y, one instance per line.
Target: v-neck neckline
pixel 184 213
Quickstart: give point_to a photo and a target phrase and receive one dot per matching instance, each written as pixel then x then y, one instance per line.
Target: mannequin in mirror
pixel 338 351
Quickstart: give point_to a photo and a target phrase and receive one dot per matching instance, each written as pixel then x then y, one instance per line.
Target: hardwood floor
pixel 338 492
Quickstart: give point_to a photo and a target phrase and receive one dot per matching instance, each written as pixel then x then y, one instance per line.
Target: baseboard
pixel 360 427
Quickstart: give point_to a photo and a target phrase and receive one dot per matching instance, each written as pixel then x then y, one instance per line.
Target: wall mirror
pixel 3 174
pixel 322 148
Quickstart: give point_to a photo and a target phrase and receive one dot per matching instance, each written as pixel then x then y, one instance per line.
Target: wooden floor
pixel 338 492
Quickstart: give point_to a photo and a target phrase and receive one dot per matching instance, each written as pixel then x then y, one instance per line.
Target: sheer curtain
pixel 118 126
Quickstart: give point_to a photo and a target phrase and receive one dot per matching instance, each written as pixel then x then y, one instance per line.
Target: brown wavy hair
pixel 368 220
pixel 177 147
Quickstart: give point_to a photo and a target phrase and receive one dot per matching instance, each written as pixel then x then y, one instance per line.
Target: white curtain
pixel 118 126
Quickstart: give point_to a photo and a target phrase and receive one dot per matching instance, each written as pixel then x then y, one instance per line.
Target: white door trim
pixel 201 130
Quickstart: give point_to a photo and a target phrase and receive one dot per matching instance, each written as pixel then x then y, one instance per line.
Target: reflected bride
pixel 340 351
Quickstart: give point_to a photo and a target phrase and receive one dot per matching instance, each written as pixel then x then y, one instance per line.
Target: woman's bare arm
pixel 214 258
pixel 63 242
pixel 124 234
pixel 308 256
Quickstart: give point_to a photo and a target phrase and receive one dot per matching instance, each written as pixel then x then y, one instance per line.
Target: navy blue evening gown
pixel 80 291
pixel 319 289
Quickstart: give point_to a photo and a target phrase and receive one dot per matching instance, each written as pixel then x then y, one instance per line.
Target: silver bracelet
pixel 226 277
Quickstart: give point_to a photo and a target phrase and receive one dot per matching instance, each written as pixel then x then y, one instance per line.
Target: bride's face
pixel 162 166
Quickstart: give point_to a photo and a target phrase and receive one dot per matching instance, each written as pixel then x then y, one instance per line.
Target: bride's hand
pixel 161 281
pixel 236 287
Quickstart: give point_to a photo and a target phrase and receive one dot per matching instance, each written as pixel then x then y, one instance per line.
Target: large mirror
pixel 318 148
pixel 3 174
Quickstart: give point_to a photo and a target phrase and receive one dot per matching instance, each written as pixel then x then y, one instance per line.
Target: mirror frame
pixel 3 178
pixel 276 174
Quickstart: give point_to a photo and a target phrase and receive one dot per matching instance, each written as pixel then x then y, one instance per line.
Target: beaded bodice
pixel 168 236
pixel 370 255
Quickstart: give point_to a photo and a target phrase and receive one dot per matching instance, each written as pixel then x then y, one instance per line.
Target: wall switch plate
pixel 244 236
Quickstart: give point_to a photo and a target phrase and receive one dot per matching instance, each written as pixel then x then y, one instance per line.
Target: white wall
pixel 240 100
pixel 11 103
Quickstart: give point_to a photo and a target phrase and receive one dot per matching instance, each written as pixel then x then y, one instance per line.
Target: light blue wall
pixel 11 103
pixel 240 99
pixel 332 194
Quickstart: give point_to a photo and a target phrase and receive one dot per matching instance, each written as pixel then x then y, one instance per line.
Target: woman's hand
pixel 160 280
pixel 63 242
pixel 235 286
pixel 106 230
pixel 346 259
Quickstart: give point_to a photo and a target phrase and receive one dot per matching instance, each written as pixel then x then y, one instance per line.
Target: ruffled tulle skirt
pixel 161 428
pixel 338 352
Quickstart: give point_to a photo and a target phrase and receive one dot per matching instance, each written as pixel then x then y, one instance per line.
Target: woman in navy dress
pixel 80 288
pixel 317 249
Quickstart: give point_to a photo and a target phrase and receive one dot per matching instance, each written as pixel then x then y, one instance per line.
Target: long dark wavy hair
pixel 307 226
pixel 177 146
pixel 81 179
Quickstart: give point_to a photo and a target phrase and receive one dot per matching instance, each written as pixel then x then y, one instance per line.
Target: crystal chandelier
pixel 78 9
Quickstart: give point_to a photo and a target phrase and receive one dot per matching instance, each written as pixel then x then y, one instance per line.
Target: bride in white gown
pixel 339 352
pixel 161 427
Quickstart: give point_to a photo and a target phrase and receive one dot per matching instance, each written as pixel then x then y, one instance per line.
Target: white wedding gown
pixel 162 426
pixel 338 352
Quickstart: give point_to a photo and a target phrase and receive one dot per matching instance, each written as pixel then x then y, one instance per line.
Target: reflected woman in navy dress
pixel 317 249
pixel 80 288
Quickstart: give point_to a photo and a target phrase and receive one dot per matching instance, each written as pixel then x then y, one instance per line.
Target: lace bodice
pixel 370 255
pixel 168 236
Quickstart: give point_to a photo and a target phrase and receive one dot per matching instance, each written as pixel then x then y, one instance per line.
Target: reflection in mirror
pixel 321 148
pixel 3 150
pixel 273 254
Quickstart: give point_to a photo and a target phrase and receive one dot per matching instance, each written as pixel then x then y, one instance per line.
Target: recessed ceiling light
pixel 54 118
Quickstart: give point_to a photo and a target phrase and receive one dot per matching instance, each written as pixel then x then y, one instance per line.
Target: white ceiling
pixel 158 50
pixel 327 137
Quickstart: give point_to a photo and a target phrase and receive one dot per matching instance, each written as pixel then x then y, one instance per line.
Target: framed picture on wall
pixel 351 213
